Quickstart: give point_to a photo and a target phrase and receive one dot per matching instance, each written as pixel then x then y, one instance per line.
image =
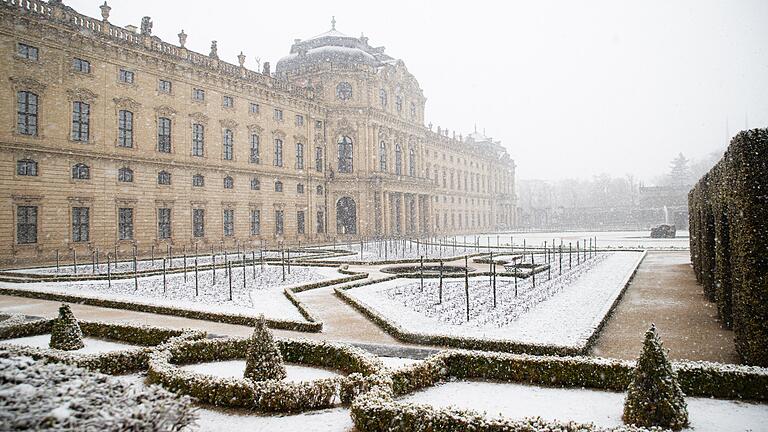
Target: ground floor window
pixel 164 223
pixel 279 222
pixel 300 223
pixel 26 224
pixel 198 222
pixel 255 222
pixel 229 223
pixel 80 224
pixel 320 222
pixel 125 224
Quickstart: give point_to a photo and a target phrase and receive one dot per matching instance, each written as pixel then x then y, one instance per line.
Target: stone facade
pixel 185 149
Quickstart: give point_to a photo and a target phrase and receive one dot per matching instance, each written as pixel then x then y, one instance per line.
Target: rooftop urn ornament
pixel 146 26
pixel 214 51
pixel 333 23
pixel 182 38
pixel 105 8
pixel 241 59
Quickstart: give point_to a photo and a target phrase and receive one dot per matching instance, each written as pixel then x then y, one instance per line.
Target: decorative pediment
pixel 300 138
pixel 254 128
pixel 277 133
pixel 228 123
pixel 27 83
pixel 198 117
pixel 126 103
pixel 165 111
pixel 81 94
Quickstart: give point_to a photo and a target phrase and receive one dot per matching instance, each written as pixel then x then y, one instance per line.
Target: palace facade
pixel 111 137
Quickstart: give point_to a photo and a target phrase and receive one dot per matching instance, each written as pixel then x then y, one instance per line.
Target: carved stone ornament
pixel 277 133
pixel 165 111
pixel 81 94
pixel 126 103
pixel 27 83
pixel 228 123
pixel 254 128
pixel 199 117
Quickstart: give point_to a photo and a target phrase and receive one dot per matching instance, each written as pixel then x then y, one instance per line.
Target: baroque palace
pixel 113 138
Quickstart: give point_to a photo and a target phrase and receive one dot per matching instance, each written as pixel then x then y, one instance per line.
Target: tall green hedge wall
pixel 728 210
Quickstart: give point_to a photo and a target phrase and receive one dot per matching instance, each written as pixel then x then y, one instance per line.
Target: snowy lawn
pixel 262 294
pixel 398 362
pixel 86 265
pixel 564 311
pixel 236 369
pixel 602 408
pixel 92 345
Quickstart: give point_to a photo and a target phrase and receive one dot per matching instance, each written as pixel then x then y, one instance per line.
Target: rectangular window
pixel 198 222
pixel 228 102
pixel 26 224
pixel 255 222
pixel 126 76
pixel 300 223
pixel 125 129
pixel 81 113
pixel 278 114
pixel 164 86
pixel 80 65
pixel 319 159
pixel 198 180
pixel 125 224
pixel 255 183
pixel 198 94
pixel 278 161
pixel 28 52
pixel 228 144
pixel 299 120
pixel 320 222
pixel 229 223
pixel 163 223
pixel 26 167
pixel 279 222
pixel 26 120
pixel 164 178
pixel 300 188
pixel 255 158
pixel 80 224
pixel 164 135
pixel 318 124
pixel 299 156
pixel 253 108
pixel 198 139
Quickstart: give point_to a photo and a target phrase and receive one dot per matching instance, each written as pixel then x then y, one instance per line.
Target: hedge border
pixel 114 362
pixel 398 332
pixel 312 325
pixel 267 396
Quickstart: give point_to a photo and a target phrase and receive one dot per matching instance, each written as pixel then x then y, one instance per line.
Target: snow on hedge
pixel 48 396
pixel 262 295
pixel 568 318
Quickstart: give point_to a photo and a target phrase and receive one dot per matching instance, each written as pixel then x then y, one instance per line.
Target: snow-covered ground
pixel 399 250
pixel 262 294
pixel 602 408
pixel 236 369
pixel 86 265
pixel 613 239
pixel 92 345
pixel 398 362
pixel 562 312
pixel 328 420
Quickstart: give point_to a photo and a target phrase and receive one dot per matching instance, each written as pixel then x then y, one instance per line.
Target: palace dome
pixel 332 47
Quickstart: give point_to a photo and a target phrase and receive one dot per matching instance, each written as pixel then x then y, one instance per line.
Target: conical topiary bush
pixel 654 397
pixel 66 333
pixel 263 360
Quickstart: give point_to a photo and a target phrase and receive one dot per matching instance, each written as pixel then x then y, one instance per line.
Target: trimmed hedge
pixel 270 396
pixel 728 210
pixel 115 362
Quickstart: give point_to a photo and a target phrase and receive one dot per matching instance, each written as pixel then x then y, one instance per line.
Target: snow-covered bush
pixel 262 358
pixel 654 397
pixel 65 333
pixel 39 396
pixel 272 395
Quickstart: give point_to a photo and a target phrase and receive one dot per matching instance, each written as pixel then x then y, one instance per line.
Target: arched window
pixel 26 119
pixel 412 162
pixel 198 180
pixel 164 178
pixel 125 175
pixel 255 183
pixel 278 186
pixel 81 172
pixel 229 183
pixel 345 154
pixel 383 156
pixel 26 167
pixel 229 144
pixel 398 159
pixel 383 98
pixel 346 216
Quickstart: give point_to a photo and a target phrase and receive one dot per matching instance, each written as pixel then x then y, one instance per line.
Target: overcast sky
pixel 571 88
